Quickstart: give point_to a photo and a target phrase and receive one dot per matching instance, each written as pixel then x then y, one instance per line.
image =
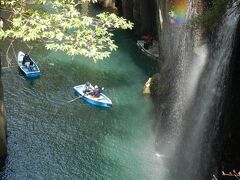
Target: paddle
pixel 74 99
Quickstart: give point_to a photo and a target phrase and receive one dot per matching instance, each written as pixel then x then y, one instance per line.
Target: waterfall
pixel 191 113
pixel 206 106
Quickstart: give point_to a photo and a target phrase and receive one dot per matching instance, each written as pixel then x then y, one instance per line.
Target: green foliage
pixel 212 14
pixel 60 26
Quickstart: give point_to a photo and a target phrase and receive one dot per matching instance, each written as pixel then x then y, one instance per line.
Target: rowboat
pixel 151 51
pixel 32 71
pixel 102 100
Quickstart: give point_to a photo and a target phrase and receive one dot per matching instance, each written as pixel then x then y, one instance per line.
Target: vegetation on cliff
pixel 60 26
pixel 212 14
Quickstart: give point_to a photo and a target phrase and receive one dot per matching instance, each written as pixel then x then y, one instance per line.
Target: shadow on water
pixel 147 64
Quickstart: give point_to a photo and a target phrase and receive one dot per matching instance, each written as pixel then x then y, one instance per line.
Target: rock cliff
pixel 141 12
pixel 3 126
pixel 231 124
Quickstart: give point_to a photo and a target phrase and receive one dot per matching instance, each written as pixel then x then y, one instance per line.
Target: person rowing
pixel 27 61
pixel 97 91
pixel 93 91
pixel 88 88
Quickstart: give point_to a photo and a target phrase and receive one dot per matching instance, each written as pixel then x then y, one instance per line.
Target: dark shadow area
pixel 2 162
pixel 148 65
pixel 230 134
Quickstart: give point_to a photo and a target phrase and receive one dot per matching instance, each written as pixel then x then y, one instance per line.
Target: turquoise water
pixel 49 138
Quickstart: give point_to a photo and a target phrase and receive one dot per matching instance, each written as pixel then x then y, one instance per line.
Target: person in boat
pixel 148 41
pixel 88 88
pixel 97 91
pixel 27 61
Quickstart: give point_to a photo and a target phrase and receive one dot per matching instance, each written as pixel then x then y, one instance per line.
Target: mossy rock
pixel 155 87
pixel 160 86
pixel 3 140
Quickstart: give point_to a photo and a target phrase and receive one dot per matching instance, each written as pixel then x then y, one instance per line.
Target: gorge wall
pixel 141 12
pixel 230 125
pixel 3 119
pixel 182 51
pixel 3 125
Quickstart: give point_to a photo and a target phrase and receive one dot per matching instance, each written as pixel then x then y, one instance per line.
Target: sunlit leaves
pixel 61 27
pixel 59 36
pixel 17 22
pixel 112 20
pixel 8 3
pixel 41 1
pixel 2 33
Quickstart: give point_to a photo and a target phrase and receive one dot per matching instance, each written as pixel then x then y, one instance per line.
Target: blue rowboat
pixel 102 100
pixel 32 71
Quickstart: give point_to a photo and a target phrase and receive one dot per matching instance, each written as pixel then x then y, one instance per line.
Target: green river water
pixel 49 138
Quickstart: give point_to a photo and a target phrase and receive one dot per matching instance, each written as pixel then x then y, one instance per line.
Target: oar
pixel 74 99
pixel 7 67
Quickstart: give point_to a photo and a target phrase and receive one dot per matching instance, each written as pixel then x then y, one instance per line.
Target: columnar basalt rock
pixel 3 126
pixel 136 16
pixel 142 13
pixel 3 119
pixel 147 16
pixel 127 8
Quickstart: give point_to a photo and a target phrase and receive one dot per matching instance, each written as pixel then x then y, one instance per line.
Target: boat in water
pixel 151 51
pixel 31 71
pixel 102 100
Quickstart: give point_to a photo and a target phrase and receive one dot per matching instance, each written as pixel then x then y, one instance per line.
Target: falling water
pixel 195 102
pixel 206 108
pixel 177 48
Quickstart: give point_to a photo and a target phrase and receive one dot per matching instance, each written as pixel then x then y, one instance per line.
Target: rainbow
pixel 178 11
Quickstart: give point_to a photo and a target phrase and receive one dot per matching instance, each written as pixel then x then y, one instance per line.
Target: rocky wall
pixel 3 125
pixel 231 116
pixel 142 13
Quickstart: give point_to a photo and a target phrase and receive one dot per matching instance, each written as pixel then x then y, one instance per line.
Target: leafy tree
pixel 60 26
